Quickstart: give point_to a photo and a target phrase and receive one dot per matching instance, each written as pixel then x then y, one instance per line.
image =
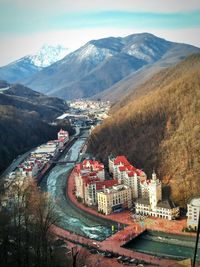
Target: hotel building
pixel 151 202
pixel 129 186
pixel 126 174
pixel 114 199
pixel 193 209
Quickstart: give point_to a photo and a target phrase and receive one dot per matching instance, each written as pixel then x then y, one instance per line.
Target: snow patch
pixel 94 54
pixel 48 55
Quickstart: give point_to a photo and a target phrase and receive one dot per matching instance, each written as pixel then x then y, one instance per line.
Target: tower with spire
pixel 155 191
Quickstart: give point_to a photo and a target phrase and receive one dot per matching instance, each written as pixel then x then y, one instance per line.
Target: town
pixel 116 191
pixel 129 188
pixel 39 160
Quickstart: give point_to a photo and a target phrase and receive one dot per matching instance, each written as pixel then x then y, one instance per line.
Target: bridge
pixel 63 161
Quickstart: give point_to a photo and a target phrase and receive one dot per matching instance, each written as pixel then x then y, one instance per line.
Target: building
pixel 50 148
pixel 92 187
pixel 86 175
pixel 164 209
pixel 151 202
pixel 114 199
pixel 63 136
pixel 37 159
pixel 126 174
pixel 193 209
pixel 129 185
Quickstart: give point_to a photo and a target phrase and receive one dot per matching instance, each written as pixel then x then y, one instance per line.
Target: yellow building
pixel 114 199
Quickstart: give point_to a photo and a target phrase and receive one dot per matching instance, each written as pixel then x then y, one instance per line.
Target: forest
pixel 158 127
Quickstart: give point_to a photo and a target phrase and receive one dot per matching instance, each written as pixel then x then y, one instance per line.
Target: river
pixel 71 218
pixel 162 244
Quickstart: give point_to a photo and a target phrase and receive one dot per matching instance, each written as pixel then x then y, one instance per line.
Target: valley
pixel 84 228
pixel 109 133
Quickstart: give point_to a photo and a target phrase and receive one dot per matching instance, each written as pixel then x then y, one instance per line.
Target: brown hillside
pixel 160 129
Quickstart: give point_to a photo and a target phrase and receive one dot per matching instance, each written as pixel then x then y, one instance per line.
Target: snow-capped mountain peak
pixel 48 55
pixel 92 53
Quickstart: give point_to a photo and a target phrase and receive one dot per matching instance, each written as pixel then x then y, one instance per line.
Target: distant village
pixel 39 159
pixel 86 112
pixel 127 188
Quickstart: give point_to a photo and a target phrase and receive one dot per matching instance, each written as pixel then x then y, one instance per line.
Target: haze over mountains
pixel 31 64
pixel 101 64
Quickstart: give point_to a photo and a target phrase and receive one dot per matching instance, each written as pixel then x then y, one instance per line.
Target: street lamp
pixel 74 252
pixel 197 240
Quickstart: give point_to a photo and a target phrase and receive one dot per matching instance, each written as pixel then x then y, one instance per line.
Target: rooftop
pixel 121 159
pixel 167 204
pixel 115 189
pixel 195 202
pixel 144 201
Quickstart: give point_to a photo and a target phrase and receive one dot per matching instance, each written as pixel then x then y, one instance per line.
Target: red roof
pixel 121 159
pixel 86 161
pixel 95 164
pixel 130 174
pixel 139 172
pixel 92 174
pixel 89 180
pixel 122 168
pixel 130 168
pixel 107 183
pixel 61 139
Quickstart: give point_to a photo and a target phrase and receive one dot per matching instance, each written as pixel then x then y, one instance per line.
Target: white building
pixel 193 209
pixel 164 209
pixel 126 174
pixel 48 148
pixel 151 202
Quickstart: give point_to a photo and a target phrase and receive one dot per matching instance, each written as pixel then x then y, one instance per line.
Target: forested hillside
pixel 24 120
pixel 158 126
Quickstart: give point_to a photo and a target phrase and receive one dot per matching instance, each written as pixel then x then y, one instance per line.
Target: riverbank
pixel 124 217
pixel 114 242
pixel 113 247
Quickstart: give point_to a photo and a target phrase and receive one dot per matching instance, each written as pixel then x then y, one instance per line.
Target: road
pixel 15 163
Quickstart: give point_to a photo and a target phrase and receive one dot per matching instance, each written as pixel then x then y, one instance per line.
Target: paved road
pixel 15 163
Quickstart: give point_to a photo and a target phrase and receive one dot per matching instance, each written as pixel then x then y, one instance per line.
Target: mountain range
pixel 105 68
pixel 101 65
pixel 31 64
pixel 157 126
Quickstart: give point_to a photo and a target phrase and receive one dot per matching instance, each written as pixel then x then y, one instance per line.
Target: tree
pixel 25 222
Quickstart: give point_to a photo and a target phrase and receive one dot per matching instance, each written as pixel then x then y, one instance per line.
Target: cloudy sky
pixel 25 25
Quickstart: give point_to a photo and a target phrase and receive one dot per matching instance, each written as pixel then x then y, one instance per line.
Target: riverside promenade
pixel 114 242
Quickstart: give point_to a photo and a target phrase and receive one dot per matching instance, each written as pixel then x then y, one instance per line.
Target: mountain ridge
pixel 93 68
pixel 31 64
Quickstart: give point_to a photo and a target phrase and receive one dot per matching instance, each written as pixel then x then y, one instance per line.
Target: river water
pixel 162 244
pixel 71 218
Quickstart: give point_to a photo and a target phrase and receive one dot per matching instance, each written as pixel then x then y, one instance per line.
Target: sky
pixel 25 25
